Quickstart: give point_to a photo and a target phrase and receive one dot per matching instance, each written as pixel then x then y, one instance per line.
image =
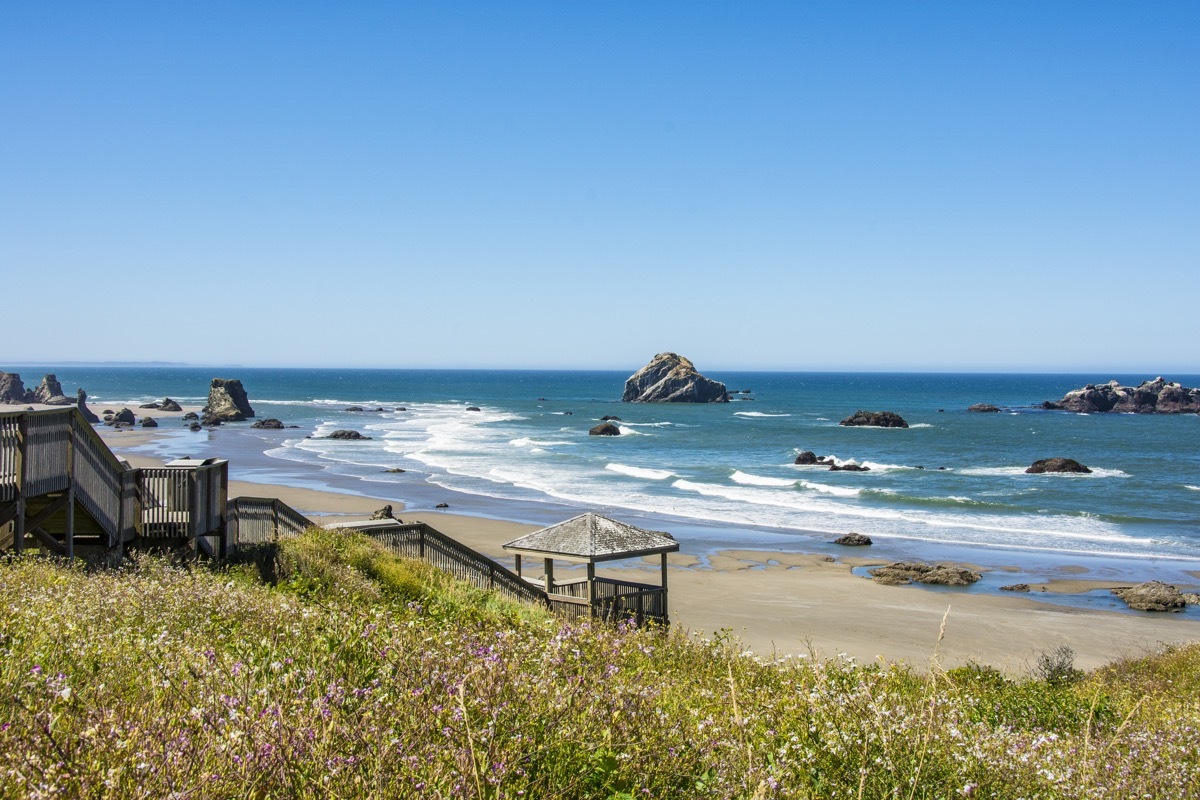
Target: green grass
pixel 356 674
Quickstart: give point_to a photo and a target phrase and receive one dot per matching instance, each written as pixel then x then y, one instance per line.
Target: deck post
pixel 19 526
pixel 71 519
pixel 518 565
pixel 664 589
pixel 548 578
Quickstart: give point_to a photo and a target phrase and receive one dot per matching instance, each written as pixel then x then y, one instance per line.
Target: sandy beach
pixel 780 602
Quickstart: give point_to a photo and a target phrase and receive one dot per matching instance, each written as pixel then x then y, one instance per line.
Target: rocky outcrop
pixel 384 513
pixel 671 378
pixel 473 408
pixel 808 458
pixel 81 404
pixel 169 405
pixel 874 419
pixel 1151 397
pixel 853 540
pixel 1015 587
pixel 1152 596
pixel 149 406
pixel 194 426
pixel 605 429
pixel 610 418
pixel 227 402
pixel 50 392
pixel 12 389
pixel 149 422
pixel 983 408
pixel 905 572
pixel 122 417
pixel 268 424
pixel 1057 465
pixel 348 435
pixel 849 466
pixel 191 415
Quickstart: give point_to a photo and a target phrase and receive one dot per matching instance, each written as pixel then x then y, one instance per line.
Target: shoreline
pixel 785 600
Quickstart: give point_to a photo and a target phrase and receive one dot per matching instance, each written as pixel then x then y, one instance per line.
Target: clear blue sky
pixel 959 186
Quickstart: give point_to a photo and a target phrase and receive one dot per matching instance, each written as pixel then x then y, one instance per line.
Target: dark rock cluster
pixel 874 419
pixel 1151 397
pixel 905 572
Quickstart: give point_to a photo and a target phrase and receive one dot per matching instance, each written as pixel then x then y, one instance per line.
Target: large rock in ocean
pixel 875 419
pixel 169 405
pixel 1057 465
pixel 12 389
pixel 605 429
pixel 671 378
pixel 1151 397
pixel 50 392
pixel 227 402
pixel 984 408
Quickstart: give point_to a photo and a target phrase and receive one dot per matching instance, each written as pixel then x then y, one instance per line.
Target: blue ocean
pixel 951 486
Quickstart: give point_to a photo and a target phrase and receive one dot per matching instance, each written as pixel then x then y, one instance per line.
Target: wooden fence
pixel 613 600
pixel 258 520
pixel 183 502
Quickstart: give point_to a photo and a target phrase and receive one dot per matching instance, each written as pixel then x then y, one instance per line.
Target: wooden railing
pixel 103 485
pixel 12 441
pixel 420 541
pixel 257 520
pixel 613 599
pixel 47 452
pixel 183 502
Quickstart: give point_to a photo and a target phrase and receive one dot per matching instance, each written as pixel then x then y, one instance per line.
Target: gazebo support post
pixel 549 576
pixel 664 587
pixel 591 589
pixel 518 565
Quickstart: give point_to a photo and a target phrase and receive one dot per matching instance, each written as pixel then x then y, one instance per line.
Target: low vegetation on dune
pixel 327 668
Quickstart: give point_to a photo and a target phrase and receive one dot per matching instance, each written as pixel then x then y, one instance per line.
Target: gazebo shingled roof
pixel 590 538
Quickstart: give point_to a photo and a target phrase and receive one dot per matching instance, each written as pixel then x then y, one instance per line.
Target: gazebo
pixel 590 539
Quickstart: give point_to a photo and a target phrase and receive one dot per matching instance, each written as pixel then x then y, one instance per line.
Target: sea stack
pixel 50 392
pixel 12 389
pixel 81 404
pixel 227 402
pixel 671 378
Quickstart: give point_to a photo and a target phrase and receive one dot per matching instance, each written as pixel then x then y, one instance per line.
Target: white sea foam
pixel 1193 488
pixel 875 466
pixel 757 414
pixel 836 491
pixel 921 425
pixel 650 424
pixel 1097 472
pixel 526 441
pixel 640 472
pixel 758 480
pixel 628 431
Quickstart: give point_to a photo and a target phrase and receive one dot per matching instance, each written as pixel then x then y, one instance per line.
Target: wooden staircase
pixel 62 490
